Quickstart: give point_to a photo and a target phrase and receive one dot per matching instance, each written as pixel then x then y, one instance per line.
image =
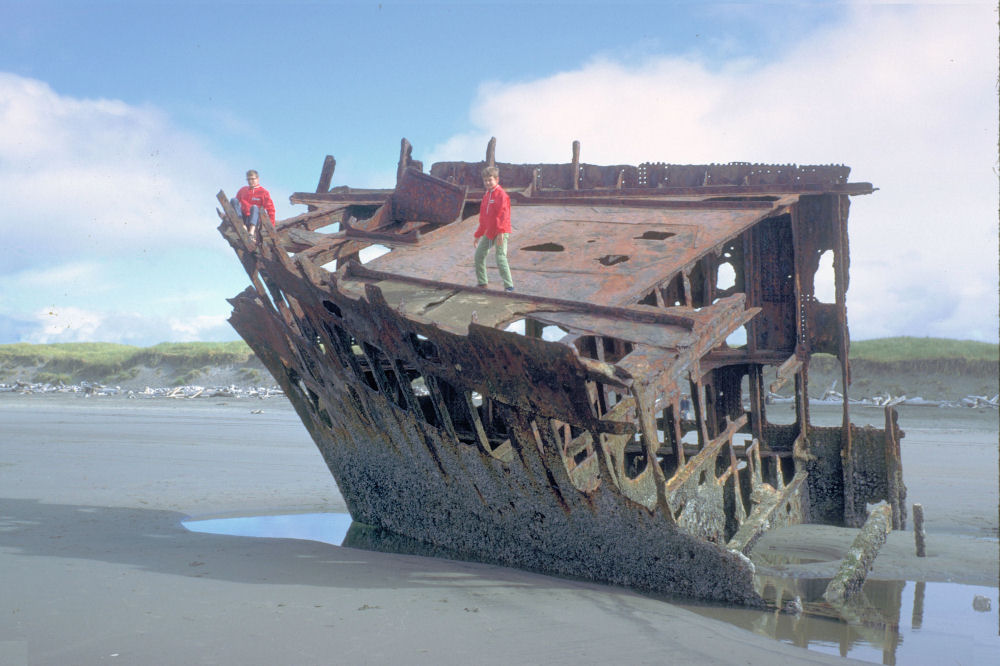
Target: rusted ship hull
pixel 568 456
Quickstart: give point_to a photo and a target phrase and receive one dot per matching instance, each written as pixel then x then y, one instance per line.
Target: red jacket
pixel 256 196
pixel 494 214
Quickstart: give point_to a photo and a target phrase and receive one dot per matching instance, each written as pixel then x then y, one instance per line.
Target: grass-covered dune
pixel 934 368
pixel 168 363
pixel 888 350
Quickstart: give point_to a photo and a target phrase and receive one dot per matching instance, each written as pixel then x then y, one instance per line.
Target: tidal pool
pixel 324 527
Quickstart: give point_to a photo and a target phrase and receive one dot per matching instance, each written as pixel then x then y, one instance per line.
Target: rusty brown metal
pixel 547 428
pixel 419 197
pixel 326 175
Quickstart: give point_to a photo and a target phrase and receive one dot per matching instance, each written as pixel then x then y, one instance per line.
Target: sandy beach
pixel 97 568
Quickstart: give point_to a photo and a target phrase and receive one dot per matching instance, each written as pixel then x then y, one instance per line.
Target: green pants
pixel 500 243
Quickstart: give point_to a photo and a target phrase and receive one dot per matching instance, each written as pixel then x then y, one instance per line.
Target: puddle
pixel 325 527
pixel 905 622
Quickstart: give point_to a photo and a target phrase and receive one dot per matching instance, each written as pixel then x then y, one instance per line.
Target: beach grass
pixel 106 354
pixel 888 350
pixel 196 353
pixel 108 362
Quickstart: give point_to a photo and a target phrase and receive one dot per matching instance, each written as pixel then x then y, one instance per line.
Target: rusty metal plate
pixel 424 198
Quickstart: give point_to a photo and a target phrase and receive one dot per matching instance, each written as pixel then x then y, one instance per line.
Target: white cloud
pixel 95 178
pixel 72 324
pixel 204 327
pixel 65 325
pixel 904 95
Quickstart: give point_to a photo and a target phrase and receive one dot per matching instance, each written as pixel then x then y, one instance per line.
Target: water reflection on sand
pixel 903 622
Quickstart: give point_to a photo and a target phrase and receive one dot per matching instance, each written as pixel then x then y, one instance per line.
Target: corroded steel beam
pixel 861 556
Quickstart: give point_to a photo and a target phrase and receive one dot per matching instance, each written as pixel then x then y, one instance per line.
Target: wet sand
pixel 96 568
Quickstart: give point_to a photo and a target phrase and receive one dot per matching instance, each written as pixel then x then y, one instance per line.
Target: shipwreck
pixel 609 419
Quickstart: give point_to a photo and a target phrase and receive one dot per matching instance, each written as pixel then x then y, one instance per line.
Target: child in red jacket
pixel 494 228
pixel 251 199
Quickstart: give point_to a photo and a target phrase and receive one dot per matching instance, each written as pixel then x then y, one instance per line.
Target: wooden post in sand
pixel 918 529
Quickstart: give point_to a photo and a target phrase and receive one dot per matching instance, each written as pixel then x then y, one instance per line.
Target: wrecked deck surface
pixel 630 444
pixel 593 254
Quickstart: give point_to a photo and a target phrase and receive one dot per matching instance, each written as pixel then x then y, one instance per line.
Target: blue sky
pixel 119 121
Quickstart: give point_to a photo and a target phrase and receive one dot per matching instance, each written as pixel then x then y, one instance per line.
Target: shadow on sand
pixel 155 540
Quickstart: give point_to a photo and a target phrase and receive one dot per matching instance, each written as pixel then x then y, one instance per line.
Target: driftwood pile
pixel 887 400
pixel 88 389
pixel 834 397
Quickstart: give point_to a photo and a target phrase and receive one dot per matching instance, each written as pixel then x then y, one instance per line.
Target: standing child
pixel 494 228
